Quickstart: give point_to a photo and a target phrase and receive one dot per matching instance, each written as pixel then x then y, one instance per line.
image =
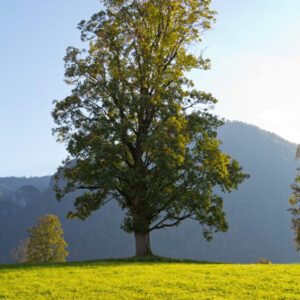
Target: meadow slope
pixel 149 280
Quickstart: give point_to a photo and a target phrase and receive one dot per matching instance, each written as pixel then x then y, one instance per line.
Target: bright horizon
pixel 254 48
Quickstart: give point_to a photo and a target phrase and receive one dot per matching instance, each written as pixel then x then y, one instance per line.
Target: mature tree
pixel 135 128
pixel 295 203
pixel 46 243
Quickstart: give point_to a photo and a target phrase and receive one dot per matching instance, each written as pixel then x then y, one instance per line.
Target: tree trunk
pixel 142 244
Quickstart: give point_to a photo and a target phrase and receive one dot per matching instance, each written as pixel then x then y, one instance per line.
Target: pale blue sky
pixel 254 47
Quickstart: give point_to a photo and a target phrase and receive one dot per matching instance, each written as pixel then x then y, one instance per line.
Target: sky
pixel 254 47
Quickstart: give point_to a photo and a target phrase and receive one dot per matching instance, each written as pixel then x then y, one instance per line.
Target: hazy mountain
pixel 259 225
pixel 9 185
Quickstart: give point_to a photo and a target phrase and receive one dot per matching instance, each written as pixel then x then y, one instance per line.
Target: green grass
pixel 154 278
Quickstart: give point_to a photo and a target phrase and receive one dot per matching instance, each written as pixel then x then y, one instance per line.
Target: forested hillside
pixel 259 225
pixel 9 185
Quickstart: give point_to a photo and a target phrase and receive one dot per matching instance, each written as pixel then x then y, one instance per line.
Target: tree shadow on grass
pixel 106 263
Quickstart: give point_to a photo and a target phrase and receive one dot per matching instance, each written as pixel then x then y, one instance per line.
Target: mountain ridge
pixel 259 225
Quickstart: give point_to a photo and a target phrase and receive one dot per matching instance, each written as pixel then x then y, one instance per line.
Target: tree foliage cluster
pixel 45 243
pixel 295 209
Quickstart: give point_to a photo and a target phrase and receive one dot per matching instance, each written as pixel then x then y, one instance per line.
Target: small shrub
pixel 264 261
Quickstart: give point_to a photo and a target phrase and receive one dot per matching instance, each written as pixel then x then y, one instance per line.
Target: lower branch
pixel 160 224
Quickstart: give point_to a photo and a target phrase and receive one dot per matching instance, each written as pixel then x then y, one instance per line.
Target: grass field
pixel 131 279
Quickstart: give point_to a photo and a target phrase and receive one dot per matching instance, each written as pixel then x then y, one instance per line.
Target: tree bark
pixel 142 244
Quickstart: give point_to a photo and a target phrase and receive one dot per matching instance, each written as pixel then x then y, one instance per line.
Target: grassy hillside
pixel 125 279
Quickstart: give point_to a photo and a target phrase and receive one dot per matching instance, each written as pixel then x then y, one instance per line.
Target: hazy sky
pixel 254 48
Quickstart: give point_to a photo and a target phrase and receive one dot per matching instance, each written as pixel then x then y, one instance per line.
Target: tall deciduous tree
pixel 135 127
pixel 295 205
pixel 46 243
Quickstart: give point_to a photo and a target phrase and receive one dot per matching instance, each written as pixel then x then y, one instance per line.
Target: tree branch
pixel 160 224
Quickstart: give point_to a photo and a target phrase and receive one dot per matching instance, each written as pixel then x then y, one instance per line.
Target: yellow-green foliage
pixel 46 243
pixel 149 280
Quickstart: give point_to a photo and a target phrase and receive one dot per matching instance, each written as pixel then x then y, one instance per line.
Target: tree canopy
pixel 46 243
pixel 136 129
pixel 295 209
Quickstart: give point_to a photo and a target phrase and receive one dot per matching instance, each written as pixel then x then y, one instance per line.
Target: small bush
pixel 264 261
